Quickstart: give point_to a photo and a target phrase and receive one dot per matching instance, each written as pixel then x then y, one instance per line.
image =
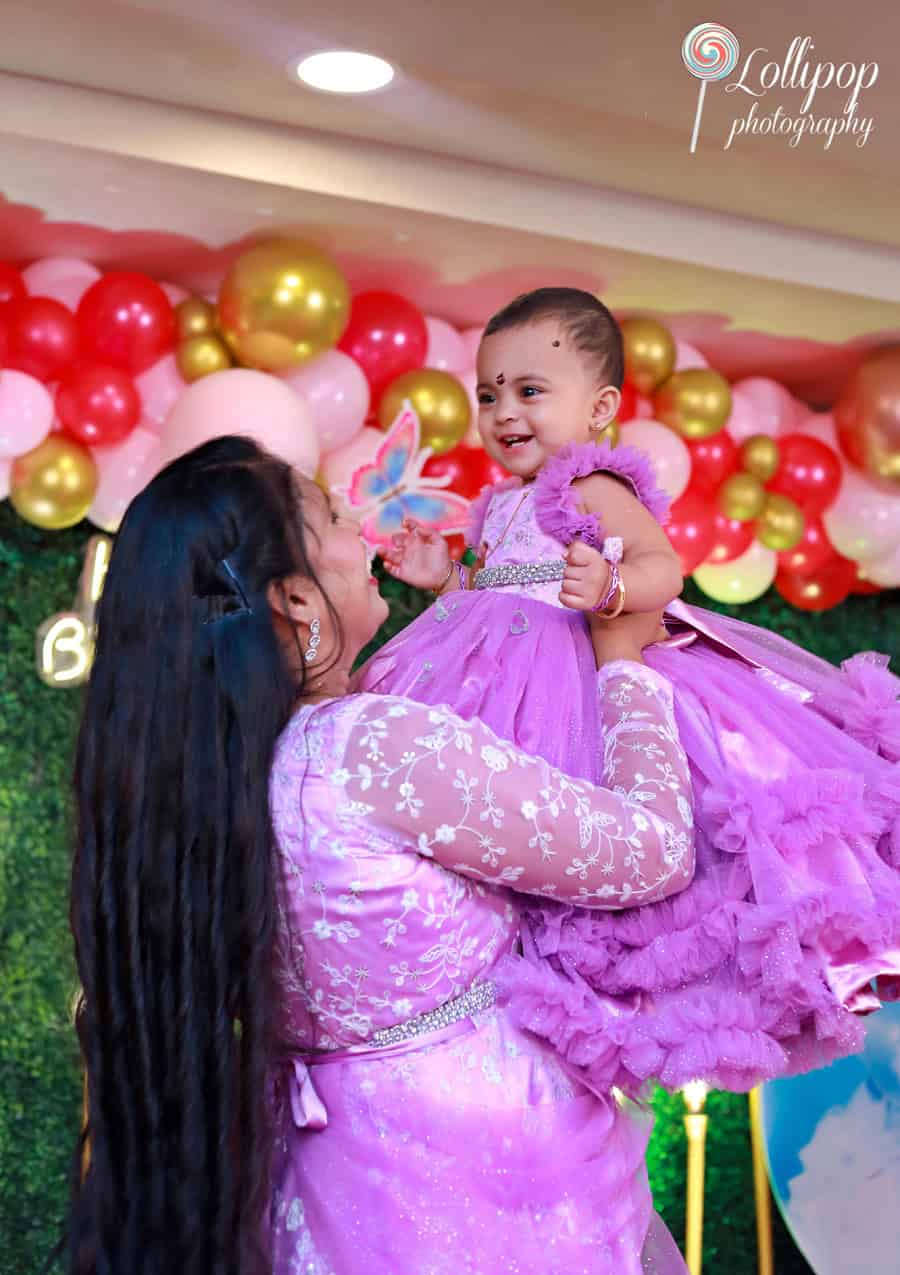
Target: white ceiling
pixel 580 90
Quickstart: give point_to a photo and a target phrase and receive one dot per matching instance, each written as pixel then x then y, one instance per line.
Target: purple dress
pixel 763 966
pixel 419 1130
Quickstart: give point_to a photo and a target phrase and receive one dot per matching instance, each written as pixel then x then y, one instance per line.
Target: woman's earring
pixel 315 637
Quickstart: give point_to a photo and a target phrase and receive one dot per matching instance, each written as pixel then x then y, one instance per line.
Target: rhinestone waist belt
pixel 478 997
pixel 519 573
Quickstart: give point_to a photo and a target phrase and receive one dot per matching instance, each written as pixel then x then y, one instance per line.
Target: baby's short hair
pixel 586 322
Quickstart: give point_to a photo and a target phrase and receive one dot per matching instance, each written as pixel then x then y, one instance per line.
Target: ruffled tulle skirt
pixel 763 966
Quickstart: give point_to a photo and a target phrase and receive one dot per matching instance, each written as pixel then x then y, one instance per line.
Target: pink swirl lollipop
pixel 710 52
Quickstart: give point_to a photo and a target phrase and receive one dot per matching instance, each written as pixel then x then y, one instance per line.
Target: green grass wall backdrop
pixel 40 1092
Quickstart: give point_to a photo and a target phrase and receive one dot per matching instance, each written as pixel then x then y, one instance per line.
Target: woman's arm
pixel 650 568
pixel 459 795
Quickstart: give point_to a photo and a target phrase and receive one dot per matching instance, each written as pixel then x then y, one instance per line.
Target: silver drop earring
pixel 315 637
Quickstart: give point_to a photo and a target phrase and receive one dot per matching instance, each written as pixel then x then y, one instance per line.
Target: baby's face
pixel 536 394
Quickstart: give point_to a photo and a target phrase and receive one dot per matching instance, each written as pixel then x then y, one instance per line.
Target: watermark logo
pixel 711 52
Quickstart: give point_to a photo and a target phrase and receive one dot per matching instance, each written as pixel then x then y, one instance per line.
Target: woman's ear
pixel 606 404
pixel 293 598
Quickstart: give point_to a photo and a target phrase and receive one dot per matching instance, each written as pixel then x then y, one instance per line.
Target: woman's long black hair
pixel 173 881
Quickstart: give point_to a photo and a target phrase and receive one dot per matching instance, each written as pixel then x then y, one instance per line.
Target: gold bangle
pixel 620 605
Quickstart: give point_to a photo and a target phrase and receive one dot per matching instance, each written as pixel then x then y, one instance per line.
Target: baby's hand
pixel 587 577
pixel 418 556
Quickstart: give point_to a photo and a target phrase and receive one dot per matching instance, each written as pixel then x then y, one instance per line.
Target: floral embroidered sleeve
pixel 477 805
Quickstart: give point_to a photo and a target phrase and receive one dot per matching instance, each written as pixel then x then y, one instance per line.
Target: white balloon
pixel 820 425
pixel 671 458
pixel 5 471
pixel 883 571
pixel 744 579
pixel 686 356
pixel 446 349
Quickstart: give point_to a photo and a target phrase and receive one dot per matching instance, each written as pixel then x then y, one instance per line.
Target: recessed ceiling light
pixel 345 72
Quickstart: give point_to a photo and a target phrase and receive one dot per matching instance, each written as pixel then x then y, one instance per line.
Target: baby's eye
pixel 528 391
pixel 485 397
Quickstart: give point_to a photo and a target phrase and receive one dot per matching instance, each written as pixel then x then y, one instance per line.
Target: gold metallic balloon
pixel 760 457
pixel 696 403
pixel 201 355
pixel 53 486
pixel 867 416
pixel 781 523
pixel 281 304
pixel 742 497
pixel 439 400
pixel 649 353
pixel 194 317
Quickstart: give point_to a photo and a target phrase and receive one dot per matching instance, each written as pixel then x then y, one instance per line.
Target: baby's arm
pixel 420 557
pixel 650 568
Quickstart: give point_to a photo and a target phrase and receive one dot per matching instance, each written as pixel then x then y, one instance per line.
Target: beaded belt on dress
pixel 519 573
pixel 477 997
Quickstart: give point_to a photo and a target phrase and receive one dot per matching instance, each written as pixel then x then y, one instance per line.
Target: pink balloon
pixel 160 388
pixel 820 425
pixel 338 467
pixel 5 471
pixel 761 406
pixel 671 459
pixel 122 472
pixel 65 279
pixel 686 356
pixel 336 391
pixel 175 294
pixel 643 410
pixel 471 339
pixel 26 412
pixel 446 349
pixel 864 521
pixel 246 402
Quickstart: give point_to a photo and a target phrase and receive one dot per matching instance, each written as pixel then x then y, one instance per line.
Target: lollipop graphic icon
pixel 710 52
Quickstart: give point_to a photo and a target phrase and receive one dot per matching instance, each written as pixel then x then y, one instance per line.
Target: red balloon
pixel 730 539
pixel 863 586
pixel 813 551
pixel 691 529
pixel 809 472
pixel 98 405
pixel 821 589
pixel 713 460
pixel 12 285
pixel 470 469
pixel 42 337
pixel 628 406
pixel 126 320
pixel 387 336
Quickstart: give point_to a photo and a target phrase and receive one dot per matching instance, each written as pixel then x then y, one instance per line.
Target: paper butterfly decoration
pixel 392 488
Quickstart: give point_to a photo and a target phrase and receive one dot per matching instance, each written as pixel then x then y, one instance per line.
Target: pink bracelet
pixel 615 582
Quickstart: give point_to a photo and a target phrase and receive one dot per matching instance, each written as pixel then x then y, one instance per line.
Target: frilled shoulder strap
pixel 556 504
pixel 479 507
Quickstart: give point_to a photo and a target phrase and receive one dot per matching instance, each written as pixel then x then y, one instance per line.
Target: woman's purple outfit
pixel 419 1130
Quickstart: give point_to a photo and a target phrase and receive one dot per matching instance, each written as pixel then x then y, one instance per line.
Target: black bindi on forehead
pixel 555 344
pixel 501 379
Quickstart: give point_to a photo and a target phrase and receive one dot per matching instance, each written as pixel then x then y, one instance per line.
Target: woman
pixel 289 904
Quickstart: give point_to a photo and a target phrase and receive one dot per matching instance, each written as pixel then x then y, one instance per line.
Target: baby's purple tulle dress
pixel 763 966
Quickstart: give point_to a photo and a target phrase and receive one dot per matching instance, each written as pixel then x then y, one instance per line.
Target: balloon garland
pixel 106 377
